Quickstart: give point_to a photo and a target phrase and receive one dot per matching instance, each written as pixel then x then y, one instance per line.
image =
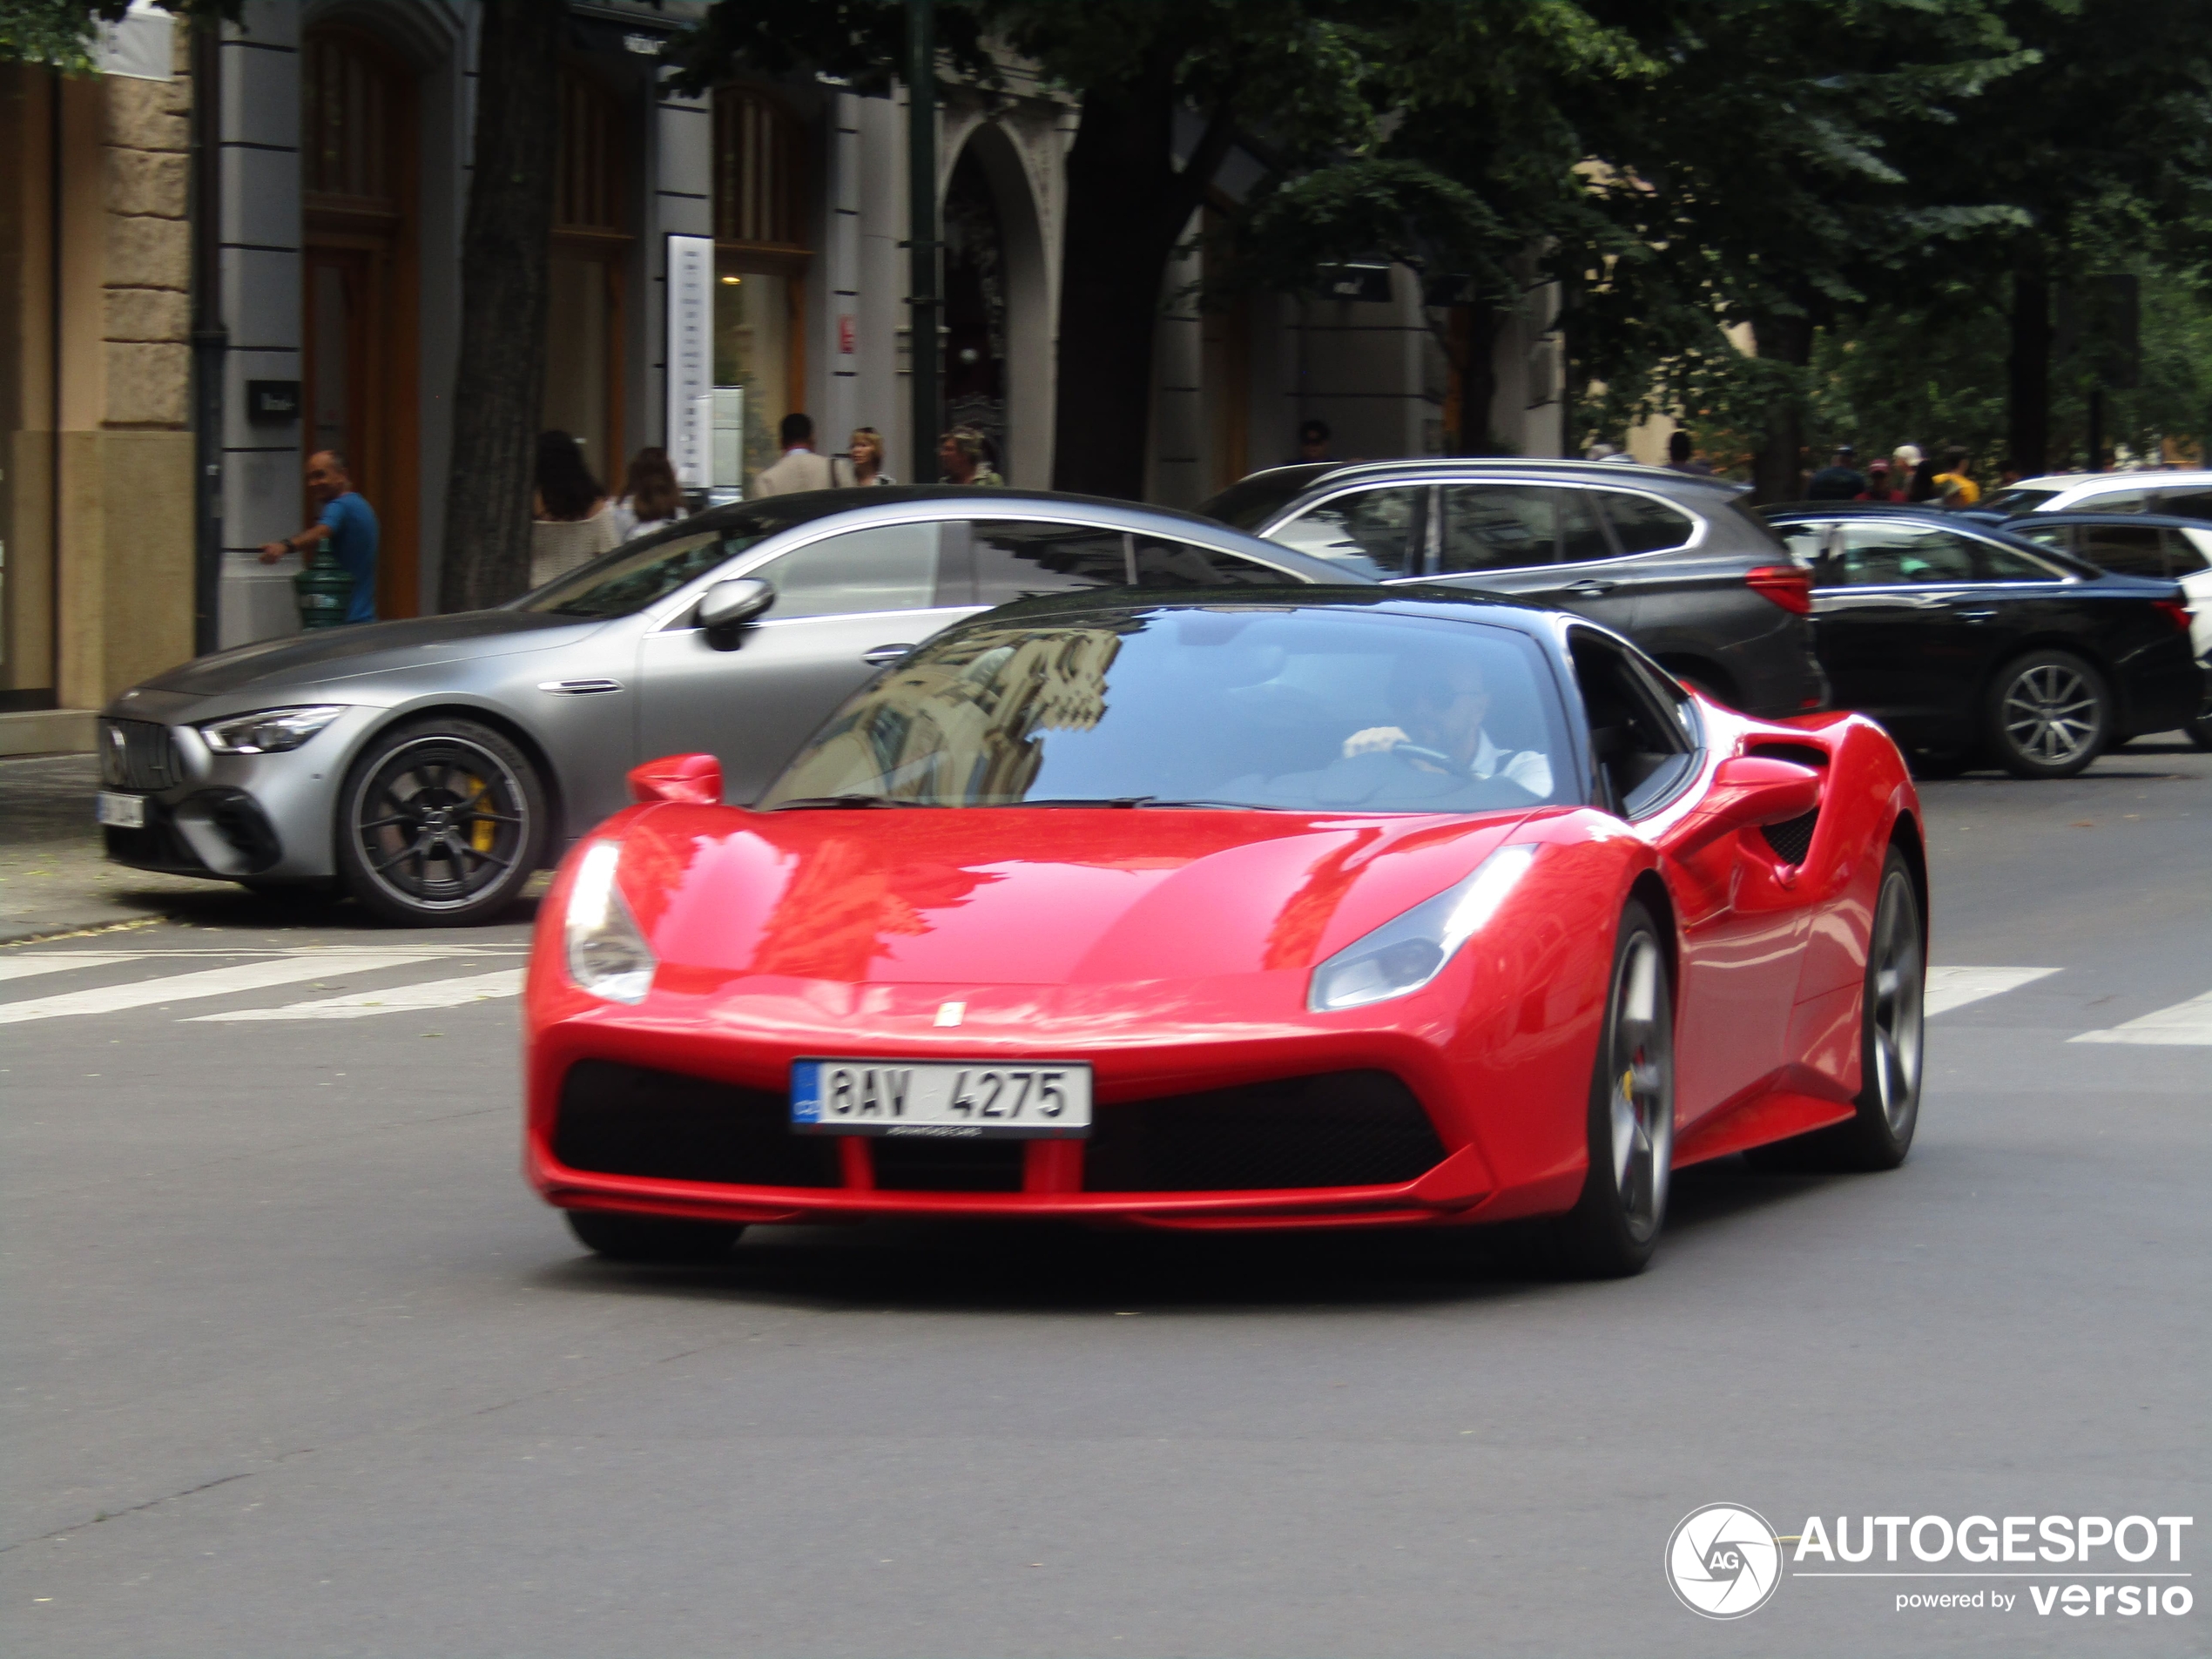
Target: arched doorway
pixel 998 306
pixel 357 176
pixel 976 306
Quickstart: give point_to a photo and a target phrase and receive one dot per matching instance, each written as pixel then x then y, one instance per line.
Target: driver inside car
pixel 1442 705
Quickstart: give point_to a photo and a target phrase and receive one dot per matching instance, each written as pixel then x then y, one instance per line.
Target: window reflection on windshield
pixel 625 581
pixel 1313 709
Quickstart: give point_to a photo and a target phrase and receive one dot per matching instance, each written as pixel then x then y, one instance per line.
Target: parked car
pixel 2182 494
pixel 1451 910
pixel 1675 562
pixel 1964 640
pixel 429 767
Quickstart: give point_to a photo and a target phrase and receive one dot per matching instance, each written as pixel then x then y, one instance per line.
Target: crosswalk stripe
pixel 1953 987
pixel 2184 1025
pixel 25 966
pixel 214 981
pixel 431 994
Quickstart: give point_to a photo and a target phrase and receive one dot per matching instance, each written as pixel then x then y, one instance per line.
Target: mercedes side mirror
pixel 735 603
pixel 695 781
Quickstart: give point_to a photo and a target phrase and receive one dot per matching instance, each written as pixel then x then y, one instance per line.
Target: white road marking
pixel 2184 1025
pixel 24 967
pixel 1953 987
pixel 214 981
pixel 431 994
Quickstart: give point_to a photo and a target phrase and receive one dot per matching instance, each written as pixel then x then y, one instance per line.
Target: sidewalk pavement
pixel 53 874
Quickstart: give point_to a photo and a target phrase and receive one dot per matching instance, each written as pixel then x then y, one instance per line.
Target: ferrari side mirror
pixel 734 602
pixel 1748 792
pixel 695 781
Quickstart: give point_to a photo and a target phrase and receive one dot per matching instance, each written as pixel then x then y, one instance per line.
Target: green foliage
pixel 61 34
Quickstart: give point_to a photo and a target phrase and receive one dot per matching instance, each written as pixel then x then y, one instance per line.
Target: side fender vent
pixel 1792 839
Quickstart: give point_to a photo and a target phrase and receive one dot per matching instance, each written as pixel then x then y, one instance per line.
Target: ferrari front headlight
pixel 269 730
pixel 1408 951
pixel 607 954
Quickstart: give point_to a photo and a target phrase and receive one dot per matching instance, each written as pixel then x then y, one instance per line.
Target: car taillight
pixel 1786 585
pixel 2178 609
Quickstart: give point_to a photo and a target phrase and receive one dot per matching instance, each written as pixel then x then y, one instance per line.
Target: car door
pixel 1537 541
pixel 1897 627
pixel 846 606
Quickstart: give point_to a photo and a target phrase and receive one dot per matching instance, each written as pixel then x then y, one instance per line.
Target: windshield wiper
pixel 845 801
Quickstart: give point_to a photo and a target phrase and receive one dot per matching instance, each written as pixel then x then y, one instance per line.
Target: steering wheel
pixel 1436 758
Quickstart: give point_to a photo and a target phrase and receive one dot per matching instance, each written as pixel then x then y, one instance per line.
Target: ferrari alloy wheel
pixel 1879 1133
pixel 650 1238
pixel 1615 1224
pixel 441 823
pixel 2049 715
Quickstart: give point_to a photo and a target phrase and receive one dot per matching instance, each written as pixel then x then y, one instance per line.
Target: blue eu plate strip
pixel 805 1091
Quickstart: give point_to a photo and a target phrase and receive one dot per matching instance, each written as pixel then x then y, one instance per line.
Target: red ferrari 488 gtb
pixel 1234 908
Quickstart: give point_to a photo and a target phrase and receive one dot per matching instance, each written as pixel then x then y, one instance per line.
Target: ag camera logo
pixel 1723 1561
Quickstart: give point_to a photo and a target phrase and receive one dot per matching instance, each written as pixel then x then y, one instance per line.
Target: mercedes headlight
pixel 1408 951
pixel 269 732
pixel 608 955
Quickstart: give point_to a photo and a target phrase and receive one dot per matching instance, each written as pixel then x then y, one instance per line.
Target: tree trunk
pixel 1127 206
pixel 499 377
pixel 1777 472
pixel 2027 374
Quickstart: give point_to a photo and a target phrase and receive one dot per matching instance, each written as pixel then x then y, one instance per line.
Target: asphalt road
pixel 295 1365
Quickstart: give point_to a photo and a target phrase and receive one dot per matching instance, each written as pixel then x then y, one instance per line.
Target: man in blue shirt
pixel 349 522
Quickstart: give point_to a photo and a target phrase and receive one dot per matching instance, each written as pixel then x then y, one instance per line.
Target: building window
pixel 762 249
pixel 585 302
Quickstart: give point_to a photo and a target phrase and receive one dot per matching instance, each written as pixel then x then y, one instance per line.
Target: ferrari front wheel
pixel 650 1239
pixel 1615 1224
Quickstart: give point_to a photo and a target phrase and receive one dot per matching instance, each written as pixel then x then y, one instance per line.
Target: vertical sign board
pixel 691 358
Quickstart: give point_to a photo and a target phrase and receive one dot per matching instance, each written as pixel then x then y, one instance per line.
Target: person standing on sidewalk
pixel 963 459
pixel 347 521
pixel 801 467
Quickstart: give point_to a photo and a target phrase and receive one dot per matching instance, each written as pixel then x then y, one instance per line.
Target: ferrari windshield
pixel 1312 709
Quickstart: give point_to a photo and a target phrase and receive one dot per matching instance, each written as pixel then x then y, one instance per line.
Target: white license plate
pixel 124 812
pixel 981 1101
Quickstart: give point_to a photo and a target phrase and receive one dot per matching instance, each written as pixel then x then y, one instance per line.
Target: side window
pixel 2058 535
pixel 2010 564
pixel 2116 501
pixel 1643 749
pixel 2183 503
pixel 1508 527
pixel 1012 561
pixel 888 567
pixel 2189 552
pixel 1377 532
pixel 1643 525
pixel 1890 556
pixel 2125 549
pixel 1182 565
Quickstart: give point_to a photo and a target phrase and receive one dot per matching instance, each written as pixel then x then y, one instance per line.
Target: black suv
pixel 1673 561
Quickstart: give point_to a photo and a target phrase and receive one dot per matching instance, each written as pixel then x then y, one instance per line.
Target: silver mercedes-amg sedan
pixel 429 767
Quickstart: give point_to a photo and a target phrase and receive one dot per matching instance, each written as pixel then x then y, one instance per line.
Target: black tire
pixel 440 824
pixel 2200 731
pixel 1890 1051
pixel 2047 714
pixel 652 1238
pixel 1933 765
pixel 1615 1225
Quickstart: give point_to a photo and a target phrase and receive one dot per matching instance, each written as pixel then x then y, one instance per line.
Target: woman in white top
pixel 651 495
pixel 572 523
pixel 866 455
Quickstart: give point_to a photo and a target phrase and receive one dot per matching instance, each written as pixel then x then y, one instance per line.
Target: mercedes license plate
pixel 977 1101
pixel 123 812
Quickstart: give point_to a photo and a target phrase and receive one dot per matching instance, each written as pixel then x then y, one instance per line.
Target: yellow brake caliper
pixel 481 831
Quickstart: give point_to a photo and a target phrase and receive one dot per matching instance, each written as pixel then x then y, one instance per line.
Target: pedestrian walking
pixel 1840 480
pixel 1905 461
pixel 800 467
pixel 1681 456
pixel 651 495
pixel 866 453
pixel 571 524
pixel 1957 490
pixel 963 457
pixel 347 521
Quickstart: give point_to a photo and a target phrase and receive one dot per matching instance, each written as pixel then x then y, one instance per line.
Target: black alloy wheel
pixel 1615 1224
pixel 2048 714
pixel 1891 1030
pixel 651 1238
pixel 441 823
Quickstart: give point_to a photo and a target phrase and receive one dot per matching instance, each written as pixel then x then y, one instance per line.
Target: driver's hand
pixel 1376 739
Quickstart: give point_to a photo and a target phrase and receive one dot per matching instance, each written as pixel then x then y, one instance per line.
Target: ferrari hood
pixel 1020 896
pixel 340 653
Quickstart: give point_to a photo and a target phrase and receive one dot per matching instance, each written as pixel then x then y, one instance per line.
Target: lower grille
pixel 1792 839
pixel 137 754
pixel 630 1120
pixel 934 1164
pixel 1339 1128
